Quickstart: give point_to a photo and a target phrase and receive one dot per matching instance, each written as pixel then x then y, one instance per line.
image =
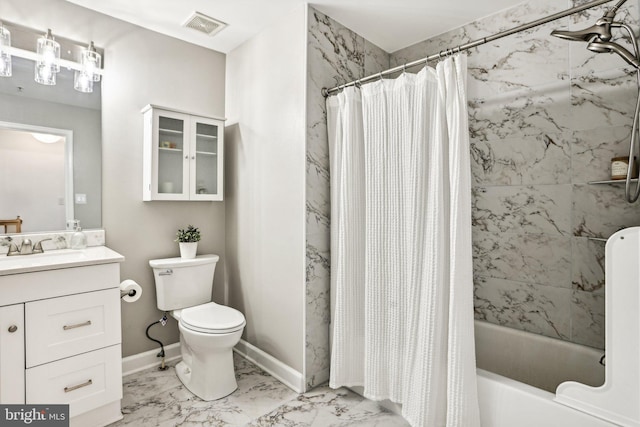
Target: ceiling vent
pixel 204 24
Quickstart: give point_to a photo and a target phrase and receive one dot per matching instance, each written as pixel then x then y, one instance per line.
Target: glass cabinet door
pixel 205 156
pixel 173 155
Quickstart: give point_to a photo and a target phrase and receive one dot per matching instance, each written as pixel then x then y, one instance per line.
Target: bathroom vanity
pixel 60 339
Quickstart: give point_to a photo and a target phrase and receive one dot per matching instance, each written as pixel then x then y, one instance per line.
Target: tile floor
pixel 154 398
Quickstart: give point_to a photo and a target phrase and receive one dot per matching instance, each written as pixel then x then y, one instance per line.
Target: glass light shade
pixel 45 74
pixel 83 82
pixel 48 51
pixel 5 56
pixel 91 62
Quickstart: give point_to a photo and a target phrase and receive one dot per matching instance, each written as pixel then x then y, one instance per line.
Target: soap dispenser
pixel 79 239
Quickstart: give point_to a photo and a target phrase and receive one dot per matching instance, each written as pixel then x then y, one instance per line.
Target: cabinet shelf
pixel 171 131
pixel 612 181
pixel 201 135
pixel 170 150
pixel 206 153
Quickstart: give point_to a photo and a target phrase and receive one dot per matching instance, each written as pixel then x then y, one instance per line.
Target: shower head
pixel 600 31
pixel 611 47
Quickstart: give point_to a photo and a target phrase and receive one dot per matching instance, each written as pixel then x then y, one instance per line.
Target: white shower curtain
pixel 401 267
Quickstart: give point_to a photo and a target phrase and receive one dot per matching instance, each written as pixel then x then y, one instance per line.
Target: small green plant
pixel 191 234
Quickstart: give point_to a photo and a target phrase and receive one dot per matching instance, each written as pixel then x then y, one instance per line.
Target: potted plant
pixel 188 239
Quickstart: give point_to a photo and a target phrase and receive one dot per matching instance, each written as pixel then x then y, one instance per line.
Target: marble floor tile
pixel 155 398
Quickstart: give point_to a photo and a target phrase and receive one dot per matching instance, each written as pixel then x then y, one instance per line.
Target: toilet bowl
pixel 208 331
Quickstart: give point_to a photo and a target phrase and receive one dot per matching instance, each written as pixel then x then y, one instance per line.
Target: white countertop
pixel 57 259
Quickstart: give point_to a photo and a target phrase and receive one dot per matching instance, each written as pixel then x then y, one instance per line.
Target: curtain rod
pixel 326 92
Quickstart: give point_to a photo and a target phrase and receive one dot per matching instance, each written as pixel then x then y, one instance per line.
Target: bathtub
pixel 518 373
pixel 508 403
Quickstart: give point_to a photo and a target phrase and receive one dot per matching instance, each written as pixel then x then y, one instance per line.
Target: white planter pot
pixel 188 250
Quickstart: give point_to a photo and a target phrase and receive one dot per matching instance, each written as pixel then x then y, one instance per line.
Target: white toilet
pixel 208 331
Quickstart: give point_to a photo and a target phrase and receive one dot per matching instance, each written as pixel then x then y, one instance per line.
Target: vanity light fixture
pixel 49 56
pixel 5 56
pixel 91 62
pixel 48 59
pixel 83 81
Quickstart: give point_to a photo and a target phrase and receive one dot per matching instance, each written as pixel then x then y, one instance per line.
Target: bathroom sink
pixel 63 258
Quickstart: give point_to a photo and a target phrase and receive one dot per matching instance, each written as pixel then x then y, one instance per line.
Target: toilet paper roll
pixel 130 291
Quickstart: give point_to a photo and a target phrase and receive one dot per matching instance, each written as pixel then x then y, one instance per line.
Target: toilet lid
pixel 212 318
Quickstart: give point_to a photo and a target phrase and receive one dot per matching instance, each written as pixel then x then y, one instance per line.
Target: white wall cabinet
pixel 60 341
pixel 183 156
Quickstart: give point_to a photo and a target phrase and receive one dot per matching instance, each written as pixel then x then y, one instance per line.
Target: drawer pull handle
pixel 75 387
pixel 13 328
pixel 77 325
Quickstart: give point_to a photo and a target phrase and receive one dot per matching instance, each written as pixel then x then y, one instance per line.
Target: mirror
pixel 48 184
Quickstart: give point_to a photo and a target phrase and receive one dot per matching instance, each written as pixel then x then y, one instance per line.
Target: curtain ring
pixel 404 68
pixel 380 75
pixel 440 55
pixel 358 84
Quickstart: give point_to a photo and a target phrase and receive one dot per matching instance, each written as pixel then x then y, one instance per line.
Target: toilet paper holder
pixel 130 293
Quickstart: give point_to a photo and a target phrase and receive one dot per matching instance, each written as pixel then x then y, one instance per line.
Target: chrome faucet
pixel 37 248
pixel 13 250
pixel 26 248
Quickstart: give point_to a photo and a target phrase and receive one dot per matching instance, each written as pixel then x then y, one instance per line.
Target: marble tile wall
pixel 547 116
pixel 335 55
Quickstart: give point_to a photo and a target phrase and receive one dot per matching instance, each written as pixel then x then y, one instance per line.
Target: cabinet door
pixel 12 375
pixel 170 180
pixel 206 157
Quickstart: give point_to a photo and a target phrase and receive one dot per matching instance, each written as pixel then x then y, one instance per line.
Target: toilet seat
pixel 212 318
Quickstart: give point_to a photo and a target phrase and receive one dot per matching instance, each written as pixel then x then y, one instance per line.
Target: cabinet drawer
pixel 65 326
pixel 85 382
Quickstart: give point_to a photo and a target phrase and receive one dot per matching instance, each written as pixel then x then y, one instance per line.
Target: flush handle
pixel 167 272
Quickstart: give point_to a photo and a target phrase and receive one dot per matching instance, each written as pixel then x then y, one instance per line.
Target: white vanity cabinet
pixel 183 156
pixel 12 354
pixel 60 341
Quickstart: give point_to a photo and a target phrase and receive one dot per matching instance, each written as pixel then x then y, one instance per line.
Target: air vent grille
pixel 204 24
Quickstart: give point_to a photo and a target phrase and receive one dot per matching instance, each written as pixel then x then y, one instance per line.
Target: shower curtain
pixel 401 267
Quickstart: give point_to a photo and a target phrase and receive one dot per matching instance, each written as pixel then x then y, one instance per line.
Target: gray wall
pixel 547 116
pixel 264 160
pixel 141 67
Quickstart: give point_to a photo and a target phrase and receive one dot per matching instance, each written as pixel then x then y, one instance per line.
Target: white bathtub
pixel 535 359
pixel 541 361
pixel 508 403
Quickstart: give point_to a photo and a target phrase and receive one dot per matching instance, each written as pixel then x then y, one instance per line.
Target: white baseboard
pixel 148 359
pixel 282 372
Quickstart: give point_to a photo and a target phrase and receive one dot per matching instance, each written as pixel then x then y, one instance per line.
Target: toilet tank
pixel 182 283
